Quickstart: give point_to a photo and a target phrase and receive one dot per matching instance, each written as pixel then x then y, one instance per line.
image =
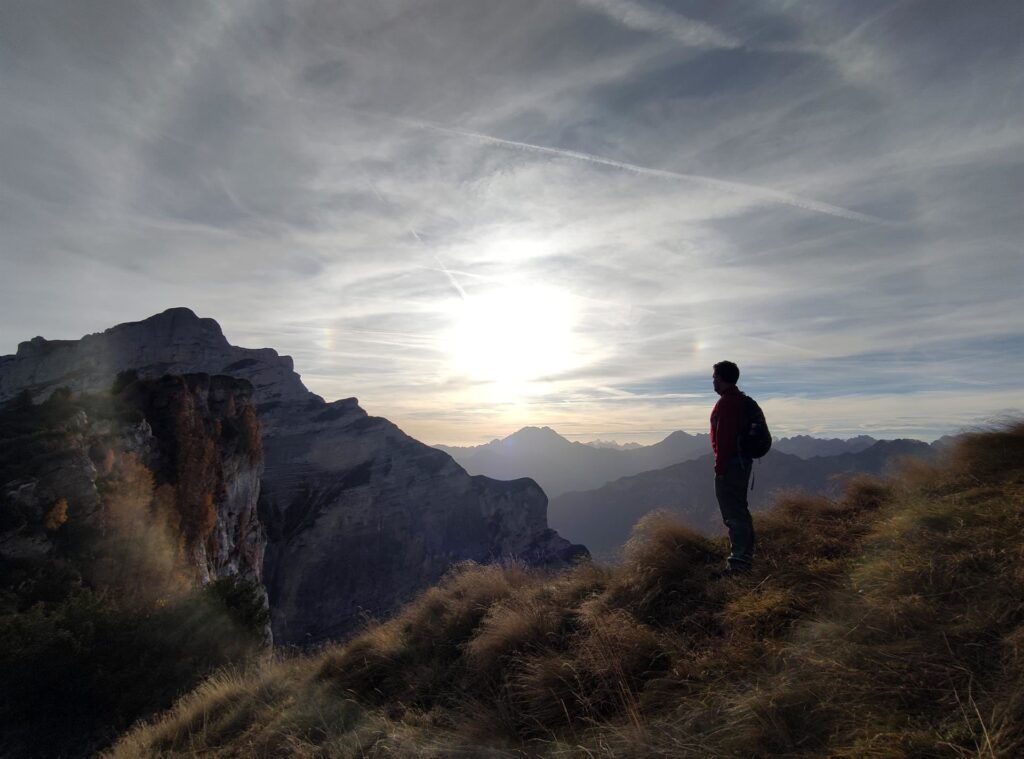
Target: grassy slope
pixel 887 623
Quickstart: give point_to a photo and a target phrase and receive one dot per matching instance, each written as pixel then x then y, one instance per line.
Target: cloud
pixel 648 17
pixel 762 194
pixel 702 186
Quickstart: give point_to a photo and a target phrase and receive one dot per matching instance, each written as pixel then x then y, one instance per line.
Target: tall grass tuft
pixel 663 579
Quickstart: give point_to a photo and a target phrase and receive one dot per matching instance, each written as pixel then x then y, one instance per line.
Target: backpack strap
pixel 742 422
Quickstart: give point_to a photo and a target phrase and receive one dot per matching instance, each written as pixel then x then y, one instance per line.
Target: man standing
pixel 732 470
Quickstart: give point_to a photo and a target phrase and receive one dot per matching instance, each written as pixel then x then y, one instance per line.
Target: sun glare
pixel 514 335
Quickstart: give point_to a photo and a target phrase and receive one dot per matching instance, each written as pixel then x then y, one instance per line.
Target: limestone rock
pixel 208 442
pixel 175 416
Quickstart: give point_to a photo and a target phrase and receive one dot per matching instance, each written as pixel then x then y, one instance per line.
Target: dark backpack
pixel 754 438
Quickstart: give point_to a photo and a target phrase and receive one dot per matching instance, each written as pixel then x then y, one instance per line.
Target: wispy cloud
pixel 763 194
pixel 648 17
pixel 826 192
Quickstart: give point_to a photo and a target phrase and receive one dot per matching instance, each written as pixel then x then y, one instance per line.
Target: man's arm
pixel 726 432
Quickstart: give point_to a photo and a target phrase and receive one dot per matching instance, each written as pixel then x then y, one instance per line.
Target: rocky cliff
pixel 173 465
pixel 359 516
pixel 210 447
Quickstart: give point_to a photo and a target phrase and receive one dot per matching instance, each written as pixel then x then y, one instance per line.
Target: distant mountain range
pixel 602 518
pixel 561 466
pixel 613 445
pixel 807 447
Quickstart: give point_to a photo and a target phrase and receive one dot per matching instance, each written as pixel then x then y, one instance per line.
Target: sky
pixel 476 215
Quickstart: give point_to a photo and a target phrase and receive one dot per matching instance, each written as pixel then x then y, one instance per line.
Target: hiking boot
pixel 733 570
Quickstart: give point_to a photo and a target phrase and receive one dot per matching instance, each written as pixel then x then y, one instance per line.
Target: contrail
pixel 451 277
pixel 754 191
pixel 416 236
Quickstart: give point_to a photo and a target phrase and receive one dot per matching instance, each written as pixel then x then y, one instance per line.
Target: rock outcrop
pixel 210 447
pixel 181 449
pixel 359 516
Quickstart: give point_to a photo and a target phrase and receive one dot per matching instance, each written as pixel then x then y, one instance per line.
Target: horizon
pixel 600 439
pixel 641 437
pixel 476 216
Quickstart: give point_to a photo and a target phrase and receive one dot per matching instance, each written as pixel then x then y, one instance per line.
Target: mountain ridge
pixel 561 466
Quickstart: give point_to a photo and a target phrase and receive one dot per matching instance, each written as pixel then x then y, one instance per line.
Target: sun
pixel 514 335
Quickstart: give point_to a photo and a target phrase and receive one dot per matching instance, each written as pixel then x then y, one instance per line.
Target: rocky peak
pixel 175 341
pixel 535 435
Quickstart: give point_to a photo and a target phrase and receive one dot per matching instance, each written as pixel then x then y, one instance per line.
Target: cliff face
pixel 359 516
pixel 211 449
pixel 181 452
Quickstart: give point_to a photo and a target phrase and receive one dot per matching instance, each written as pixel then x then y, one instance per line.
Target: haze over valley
pixel 559 465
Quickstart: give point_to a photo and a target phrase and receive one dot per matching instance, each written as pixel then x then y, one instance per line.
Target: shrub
pixel 245 603
pixel 123 380
pixel 57 515
pixel 109 664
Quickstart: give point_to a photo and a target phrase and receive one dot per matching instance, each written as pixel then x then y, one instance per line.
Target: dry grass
pixel 886 623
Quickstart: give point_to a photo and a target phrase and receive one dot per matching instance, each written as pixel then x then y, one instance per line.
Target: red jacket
pixel 725 425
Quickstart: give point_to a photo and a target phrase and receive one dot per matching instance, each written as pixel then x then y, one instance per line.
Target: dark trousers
pixel 731 491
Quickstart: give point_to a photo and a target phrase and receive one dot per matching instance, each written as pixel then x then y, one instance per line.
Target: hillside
pixel 887 622
pixel 602 519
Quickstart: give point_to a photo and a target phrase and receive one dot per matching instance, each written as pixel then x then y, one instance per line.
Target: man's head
pixel 726 375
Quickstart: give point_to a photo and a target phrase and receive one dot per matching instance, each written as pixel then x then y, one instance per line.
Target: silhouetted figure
pixel 732 470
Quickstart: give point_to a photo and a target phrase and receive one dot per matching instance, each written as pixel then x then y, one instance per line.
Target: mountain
pixel 603 518
pixel 560 466
pixel 807 447
pixel 555 463
pixel 613 445
pixel 358 515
